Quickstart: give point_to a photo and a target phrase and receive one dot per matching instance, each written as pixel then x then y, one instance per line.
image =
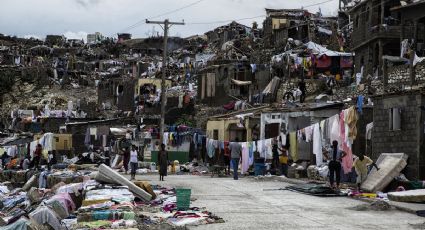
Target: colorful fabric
pixel 294 145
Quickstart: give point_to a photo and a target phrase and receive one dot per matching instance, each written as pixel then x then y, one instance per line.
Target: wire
pixel 176 10
pixel 316 4
pixel 160 15
pixel 224 21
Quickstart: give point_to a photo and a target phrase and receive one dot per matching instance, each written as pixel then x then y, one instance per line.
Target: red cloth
pixel 347 161
pixel 323 62
pixel 230 105
pixel 226 148
pixel 346 62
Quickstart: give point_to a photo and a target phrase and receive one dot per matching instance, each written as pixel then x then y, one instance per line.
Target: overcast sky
pixel 76 18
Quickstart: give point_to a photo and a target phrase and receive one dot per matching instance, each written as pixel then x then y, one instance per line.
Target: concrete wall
pixel 408 139
pixel 63 142
pixel 224 131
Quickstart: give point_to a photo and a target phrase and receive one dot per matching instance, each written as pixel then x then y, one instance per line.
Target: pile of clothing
pixel 163 209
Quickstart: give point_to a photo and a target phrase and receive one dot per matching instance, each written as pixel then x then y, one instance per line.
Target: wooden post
pixel 167 25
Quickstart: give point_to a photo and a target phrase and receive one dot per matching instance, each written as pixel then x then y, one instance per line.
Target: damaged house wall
pixel 215 85
pixel 117 92
pixel 399 128
pixel 376 32
pixel 282 24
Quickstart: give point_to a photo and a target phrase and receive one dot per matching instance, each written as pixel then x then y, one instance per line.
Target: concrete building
pixel 94 38
pixel 281 24
pixel 398 127
pixel 380 26
pixel 123 37
pixel 55 40
pixel 231 31
pixel 222 81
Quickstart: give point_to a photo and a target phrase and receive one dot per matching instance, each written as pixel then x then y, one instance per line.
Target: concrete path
pixel 244 205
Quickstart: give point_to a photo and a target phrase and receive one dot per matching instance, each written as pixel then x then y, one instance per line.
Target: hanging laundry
pixel 293 145
pixel 165 138
pixel 251 147
pixel 245 157
pixel 268 147
pixel 210 148
pixel 360 100
pixel 283 138
pixel 308 133
pixel 369 128
pixel 260 148
pixel 352 123
pixel 180 105
pixel 317 144
pixel 347 161
pixel 335 131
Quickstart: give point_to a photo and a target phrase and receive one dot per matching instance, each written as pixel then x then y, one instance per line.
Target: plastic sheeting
pixel 320 50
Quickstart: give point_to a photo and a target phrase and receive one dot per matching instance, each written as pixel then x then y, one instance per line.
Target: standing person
pixel 4 159
pixel 162 162
pixel 226 156
pixel 37 156
pixel 275 154
pixel 360 165
pixel 134 162
pixel 283 160
pixel 235 153
pixel 26 162
pixel 335 163
pixel 302 88
pixel 126 159
pixel 51 159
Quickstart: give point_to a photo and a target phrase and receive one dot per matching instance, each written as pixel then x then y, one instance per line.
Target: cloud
pixel 112 16
pixel 87 3
pixel 76 35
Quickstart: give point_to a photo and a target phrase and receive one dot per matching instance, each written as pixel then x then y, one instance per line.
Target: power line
pixel 176 10
pixel 142 21
pixel 316 4
pixel 224 21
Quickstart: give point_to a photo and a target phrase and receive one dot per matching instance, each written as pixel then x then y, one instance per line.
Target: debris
pixel 378 205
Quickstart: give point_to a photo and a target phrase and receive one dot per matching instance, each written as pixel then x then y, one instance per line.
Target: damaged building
pixel 379 27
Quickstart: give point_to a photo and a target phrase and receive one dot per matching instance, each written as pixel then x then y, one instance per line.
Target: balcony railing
pixel 379 31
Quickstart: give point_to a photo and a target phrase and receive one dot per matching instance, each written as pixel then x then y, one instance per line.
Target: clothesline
pixel 340 127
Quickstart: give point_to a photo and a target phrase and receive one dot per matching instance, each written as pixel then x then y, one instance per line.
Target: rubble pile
pixel 92 204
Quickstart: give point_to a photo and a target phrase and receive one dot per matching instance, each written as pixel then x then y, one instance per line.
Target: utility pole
pixel 167 24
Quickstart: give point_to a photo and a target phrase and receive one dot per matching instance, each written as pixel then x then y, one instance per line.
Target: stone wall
pixel 405 140
pixel 401 74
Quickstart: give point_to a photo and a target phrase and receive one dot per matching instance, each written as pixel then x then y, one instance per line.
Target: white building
pixel 94 38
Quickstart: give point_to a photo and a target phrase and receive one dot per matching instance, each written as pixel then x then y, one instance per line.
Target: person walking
pixel 134 162
pixel 235 153
pixel 126 159
pixel 335 164
pixel 162 162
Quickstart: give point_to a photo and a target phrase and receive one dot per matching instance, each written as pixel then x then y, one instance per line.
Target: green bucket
pixel 183 198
